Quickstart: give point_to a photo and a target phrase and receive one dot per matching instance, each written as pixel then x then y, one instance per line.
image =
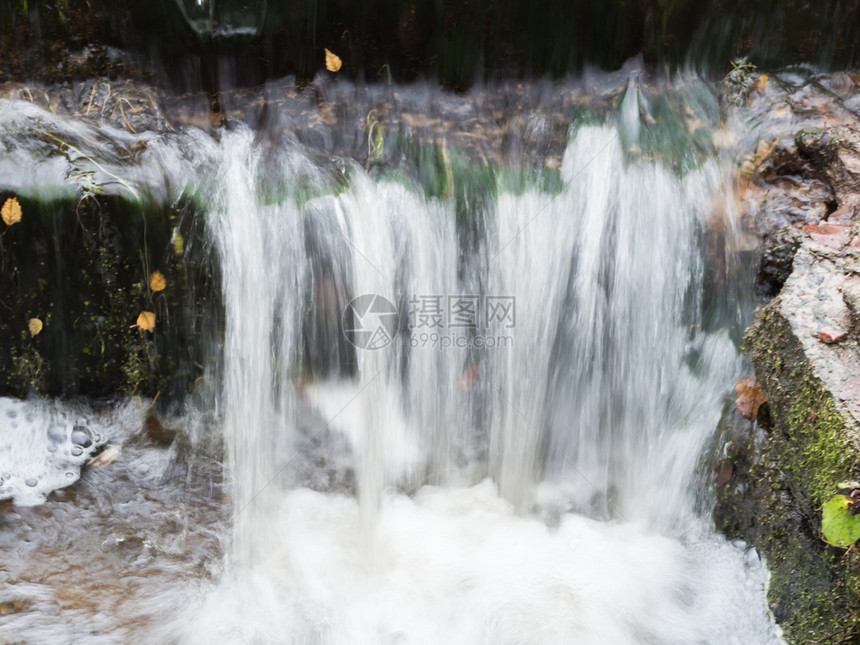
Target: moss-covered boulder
pixel 778 467
pixel 807 441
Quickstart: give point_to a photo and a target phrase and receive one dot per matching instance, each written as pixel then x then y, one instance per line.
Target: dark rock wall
pixel 455 42
pixel 82 268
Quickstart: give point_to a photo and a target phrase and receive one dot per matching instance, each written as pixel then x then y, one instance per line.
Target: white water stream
pixel 477 469
pixel 531 478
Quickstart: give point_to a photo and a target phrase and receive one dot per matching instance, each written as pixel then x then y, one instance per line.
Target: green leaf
pixel 839 525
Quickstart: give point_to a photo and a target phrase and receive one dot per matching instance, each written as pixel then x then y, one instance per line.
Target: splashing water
pixel 592 395
pixel 503 446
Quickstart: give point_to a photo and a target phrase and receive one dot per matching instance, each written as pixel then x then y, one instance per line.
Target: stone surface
pixel 773 475
pixel 802 176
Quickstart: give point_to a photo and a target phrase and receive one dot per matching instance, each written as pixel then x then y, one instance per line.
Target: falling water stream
pixel 504 446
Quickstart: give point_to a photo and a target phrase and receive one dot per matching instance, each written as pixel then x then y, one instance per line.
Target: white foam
pixel 458 566
pixel 42 448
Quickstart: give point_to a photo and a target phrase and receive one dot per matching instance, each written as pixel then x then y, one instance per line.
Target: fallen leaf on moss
pixel 333 63
pixel 750 397
pixel 146 321
pixel 838 524
pixel 35 326
pixel 157 281
pixel 11 212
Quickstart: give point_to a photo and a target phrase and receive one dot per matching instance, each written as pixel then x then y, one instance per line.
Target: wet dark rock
pixel 90 290
pixel 154 431
pixel 458 42
pixel 835 153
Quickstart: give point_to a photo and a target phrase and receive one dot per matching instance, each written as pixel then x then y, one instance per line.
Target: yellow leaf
pixel 761 83
pixel 35 326
pixel 157 281
pixel 332 61
pixel 146 321
pixel 11 212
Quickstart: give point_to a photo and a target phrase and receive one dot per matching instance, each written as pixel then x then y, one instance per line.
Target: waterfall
pixel 414 400
pixel 468 409
pixel 596 374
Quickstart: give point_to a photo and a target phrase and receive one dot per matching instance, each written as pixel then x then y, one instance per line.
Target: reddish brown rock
pixel 834 236
pixel 832 335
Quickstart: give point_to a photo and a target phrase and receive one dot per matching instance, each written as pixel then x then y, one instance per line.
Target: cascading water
pixel 503 446
pixel 580 384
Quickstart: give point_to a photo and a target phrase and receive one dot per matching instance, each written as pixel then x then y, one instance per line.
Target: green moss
pixel 821 451
pixel 810 448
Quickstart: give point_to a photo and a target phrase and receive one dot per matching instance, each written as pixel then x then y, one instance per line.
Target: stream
pixel 454 400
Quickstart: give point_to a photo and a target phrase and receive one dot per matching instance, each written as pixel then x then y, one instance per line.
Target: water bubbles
pixel 57 433
pixel 11 414
pixel 77 451
pixel 70 475
pixel 81 436
pixel 32 483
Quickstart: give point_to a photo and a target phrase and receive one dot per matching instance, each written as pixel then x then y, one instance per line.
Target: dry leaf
pixel 146 321
pixel 157 281
pixel 761 83
pixel 750 397
pixel 35 326
pixel 332 62
pixel 11 212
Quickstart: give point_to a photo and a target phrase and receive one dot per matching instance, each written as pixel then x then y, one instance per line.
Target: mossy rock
pixel 781 482
pixel 82 267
